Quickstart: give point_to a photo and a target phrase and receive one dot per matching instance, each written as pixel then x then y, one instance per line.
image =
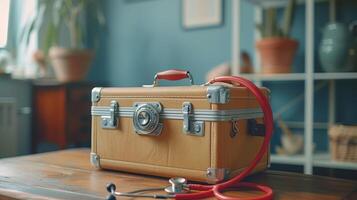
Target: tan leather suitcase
pixel 202 132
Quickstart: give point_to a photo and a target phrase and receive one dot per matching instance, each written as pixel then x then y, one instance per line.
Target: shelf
pixel 300 76
pixel 319 160
pixel 312 81
pixel 276 3
pixel 285 159
pixel 301 125
pixel 275 77
pixel 324 160
pixel 335 76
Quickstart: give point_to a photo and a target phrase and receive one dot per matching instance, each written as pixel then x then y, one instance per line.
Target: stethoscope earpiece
pixel 111 189
pixel 111 197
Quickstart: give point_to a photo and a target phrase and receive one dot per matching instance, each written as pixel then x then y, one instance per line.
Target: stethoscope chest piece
pixel 178 185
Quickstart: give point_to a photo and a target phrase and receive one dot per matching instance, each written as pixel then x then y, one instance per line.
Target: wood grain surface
pixel 68 175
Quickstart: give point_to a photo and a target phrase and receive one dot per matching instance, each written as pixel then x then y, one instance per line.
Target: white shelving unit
pixel 300 76
pixel 308 159
pixel 323 160
pixel 292 160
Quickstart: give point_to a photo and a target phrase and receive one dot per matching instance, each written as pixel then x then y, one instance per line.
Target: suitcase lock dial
pixel 146 118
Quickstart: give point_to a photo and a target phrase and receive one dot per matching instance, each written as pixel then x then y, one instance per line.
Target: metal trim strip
pixel 197 114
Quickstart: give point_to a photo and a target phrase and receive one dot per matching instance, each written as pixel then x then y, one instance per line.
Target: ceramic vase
pixel 334 47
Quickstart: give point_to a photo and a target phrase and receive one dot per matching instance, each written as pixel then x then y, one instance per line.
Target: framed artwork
pixel 201 13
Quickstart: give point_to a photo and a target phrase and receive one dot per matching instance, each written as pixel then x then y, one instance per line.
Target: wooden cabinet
pixel 61 114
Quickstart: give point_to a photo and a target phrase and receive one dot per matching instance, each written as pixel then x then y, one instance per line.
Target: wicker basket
pixel 343 143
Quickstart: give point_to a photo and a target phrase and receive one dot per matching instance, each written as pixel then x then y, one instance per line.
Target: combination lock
pixel 146 118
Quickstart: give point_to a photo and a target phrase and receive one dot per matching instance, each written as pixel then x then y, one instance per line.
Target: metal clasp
pixel 235 129
pixel 111 121
pixel 186 110
pixel 191 127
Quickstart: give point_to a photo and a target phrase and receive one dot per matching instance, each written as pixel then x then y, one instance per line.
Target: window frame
pixel 6 44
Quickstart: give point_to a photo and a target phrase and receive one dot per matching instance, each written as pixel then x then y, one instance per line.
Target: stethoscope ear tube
pixel 111 188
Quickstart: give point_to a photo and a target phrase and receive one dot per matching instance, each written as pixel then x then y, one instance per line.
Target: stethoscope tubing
pixel 216 190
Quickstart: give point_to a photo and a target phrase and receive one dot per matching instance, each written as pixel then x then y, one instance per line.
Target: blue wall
pixel 146 36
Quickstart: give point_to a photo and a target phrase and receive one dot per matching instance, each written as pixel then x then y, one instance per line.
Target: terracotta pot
pixel 70 65
pixel 277 54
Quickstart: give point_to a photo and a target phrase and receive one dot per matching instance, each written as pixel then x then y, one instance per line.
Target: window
pixel 4 21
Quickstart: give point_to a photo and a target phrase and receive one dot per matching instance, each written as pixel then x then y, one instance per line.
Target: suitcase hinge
pixel 191 127
pixel 111 121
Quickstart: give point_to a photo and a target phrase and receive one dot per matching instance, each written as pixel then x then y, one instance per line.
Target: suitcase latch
pixel 111 121
pixel 191 127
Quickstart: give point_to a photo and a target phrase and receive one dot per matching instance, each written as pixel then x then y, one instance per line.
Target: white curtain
pixel 24 65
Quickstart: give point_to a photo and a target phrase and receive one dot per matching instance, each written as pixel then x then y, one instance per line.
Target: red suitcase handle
pixel 172 75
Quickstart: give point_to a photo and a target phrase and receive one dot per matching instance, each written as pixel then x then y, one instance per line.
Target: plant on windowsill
pixel 61 21
pixel 276 48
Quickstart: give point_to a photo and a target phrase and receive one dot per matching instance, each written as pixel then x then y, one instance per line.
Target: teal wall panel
pixel 144 37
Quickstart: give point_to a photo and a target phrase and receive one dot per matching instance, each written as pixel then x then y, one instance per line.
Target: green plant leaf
pixel 57 11
pixel 32 25
pixel 260 28
pixel 25 33
pixel 270 22
pixel 53 15
pixel 288 18
pixel 51 37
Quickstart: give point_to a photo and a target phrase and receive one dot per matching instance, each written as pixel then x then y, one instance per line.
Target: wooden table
pixel 69 175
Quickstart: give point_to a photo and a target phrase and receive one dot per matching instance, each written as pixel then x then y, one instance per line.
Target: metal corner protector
pixel 215 175
pixel 218 94
pixel 96 94
pixel 95 160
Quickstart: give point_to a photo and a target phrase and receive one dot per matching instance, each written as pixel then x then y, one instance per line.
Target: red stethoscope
pixel 205 191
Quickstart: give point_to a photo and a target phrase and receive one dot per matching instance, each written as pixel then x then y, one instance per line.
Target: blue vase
pixel 334 48
pixel 352 52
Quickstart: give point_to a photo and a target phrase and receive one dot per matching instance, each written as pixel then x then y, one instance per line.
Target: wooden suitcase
pixel 201 132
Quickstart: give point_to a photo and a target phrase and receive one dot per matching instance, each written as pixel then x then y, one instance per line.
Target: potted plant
pixel 276 48
pixel 66 20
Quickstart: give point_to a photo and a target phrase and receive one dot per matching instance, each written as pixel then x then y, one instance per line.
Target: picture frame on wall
pixel 201 13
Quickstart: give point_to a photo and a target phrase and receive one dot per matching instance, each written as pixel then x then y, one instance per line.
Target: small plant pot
pixel 277 54
pixel 70 65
